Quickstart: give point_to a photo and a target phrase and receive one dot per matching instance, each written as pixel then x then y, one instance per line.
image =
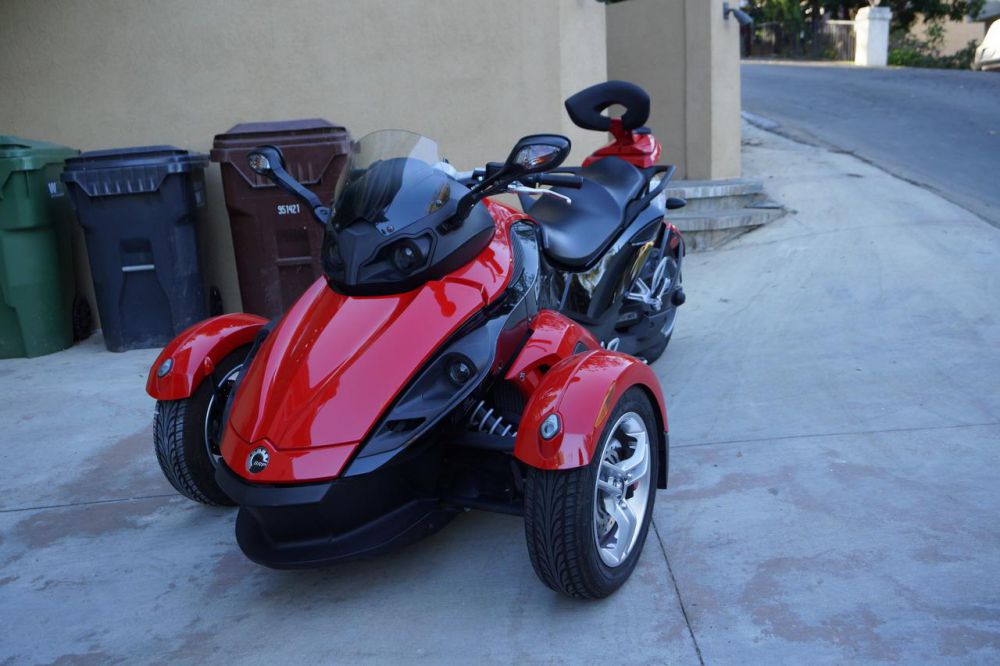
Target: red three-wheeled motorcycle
pixel 457 354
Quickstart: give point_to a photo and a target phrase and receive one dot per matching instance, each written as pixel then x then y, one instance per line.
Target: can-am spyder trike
pixel 457 354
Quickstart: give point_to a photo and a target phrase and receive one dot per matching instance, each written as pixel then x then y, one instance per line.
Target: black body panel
pixel 595 297
pixel 308 525
pixel 406 244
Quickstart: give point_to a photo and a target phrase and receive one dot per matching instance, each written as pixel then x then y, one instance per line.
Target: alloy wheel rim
pixel 655 283
pixel 621 496
pixel 213 414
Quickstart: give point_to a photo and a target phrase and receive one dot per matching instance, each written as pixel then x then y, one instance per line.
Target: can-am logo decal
pixel 257 460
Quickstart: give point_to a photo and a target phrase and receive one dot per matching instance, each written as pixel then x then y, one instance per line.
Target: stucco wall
pixel 687 56
pixel 957 34
pixel 475 74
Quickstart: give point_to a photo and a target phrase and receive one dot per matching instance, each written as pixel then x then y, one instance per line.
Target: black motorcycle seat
pixel 574 235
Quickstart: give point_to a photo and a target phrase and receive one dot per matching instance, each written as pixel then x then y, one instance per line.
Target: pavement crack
pixel 846 433
pixel 677 590
pixel 117 500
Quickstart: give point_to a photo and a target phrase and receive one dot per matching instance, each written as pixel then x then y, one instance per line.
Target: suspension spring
pixel 485 419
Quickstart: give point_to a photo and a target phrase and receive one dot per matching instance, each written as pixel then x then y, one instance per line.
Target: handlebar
pixel 554 179
pixel 470 178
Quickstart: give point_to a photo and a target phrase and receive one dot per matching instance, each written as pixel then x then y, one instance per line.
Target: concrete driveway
pixel 834 392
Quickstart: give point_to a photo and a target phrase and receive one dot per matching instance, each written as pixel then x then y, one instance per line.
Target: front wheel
pixel 187 433
pixel 586 527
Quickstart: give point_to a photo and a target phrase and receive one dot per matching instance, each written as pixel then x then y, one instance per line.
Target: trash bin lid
pixel 129 170
pixel 246 136
pixel 313 140
pixel 20 154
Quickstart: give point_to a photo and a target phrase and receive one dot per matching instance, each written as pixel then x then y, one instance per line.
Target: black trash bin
pixel 138 208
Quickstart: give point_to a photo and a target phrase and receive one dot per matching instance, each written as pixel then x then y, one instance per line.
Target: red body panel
pixel 284 466
pixel 642 150
pixel 331 367
pixel 675 236
pixel 197 350
pixel 553 338
pixel 583 390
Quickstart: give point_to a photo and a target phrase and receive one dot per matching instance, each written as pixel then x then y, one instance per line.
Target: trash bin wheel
pixel 83 319
pixel 585 527
pixel 186 433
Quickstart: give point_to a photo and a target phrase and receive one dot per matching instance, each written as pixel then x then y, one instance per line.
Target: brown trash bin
pixel 275 236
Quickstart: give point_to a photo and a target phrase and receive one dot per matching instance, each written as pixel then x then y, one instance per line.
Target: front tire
pixel 585 527
pixel 186 434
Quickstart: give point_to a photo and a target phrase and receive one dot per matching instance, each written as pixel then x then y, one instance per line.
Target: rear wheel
pixel 187 433
pixel 585 527
pixel 656 286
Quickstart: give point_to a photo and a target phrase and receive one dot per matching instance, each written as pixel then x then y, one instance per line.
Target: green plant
pixel 908 51
pixel 904 12
pixel 963 59
pixel 793 28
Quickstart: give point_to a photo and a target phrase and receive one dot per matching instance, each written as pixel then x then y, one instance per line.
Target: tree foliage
pixel 904 12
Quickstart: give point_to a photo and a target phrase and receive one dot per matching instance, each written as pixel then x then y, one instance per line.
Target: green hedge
pixel 908 51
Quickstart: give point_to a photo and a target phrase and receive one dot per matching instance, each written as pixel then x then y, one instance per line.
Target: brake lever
pixel 518 188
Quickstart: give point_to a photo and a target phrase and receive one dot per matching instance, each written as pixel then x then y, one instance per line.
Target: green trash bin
pixel 36 258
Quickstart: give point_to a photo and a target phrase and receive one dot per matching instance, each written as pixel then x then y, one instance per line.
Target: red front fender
pixel 583 390
pixel 197 350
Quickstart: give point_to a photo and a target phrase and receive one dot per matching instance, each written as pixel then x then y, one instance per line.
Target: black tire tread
pixel 179 440
pixel 550 505
pixel 558 516
pixel 168 438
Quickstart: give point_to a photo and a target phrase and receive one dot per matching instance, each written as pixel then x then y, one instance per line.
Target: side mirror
pixel 532 154
pixel 263 159
pixel 268 161
pixel 537 153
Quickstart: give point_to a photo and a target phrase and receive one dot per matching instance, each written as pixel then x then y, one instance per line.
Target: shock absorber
pixel 485 419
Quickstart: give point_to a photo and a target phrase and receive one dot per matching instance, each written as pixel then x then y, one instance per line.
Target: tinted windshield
pixel 385 180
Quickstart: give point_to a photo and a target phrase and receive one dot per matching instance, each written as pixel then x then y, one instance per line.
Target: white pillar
pixel 871 30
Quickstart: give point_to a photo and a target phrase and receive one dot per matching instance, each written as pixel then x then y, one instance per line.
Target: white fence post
pixel 871 28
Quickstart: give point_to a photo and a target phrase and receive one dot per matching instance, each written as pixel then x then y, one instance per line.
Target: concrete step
pixel 709 229
pixel 713 195
pixel 708 189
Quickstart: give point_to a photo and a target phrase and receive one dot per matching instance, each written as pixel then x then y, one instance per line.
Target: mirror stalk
pixel 532 154
pixel 268 161
pixel 284 180
pixel 499 175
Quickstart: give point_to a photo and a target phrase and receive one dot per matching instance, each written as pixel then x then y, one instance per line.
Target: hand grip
pixel 555 180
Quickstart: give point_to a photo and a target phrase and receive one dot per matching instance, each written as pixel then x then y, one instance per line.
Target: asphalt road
pixel 938 128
